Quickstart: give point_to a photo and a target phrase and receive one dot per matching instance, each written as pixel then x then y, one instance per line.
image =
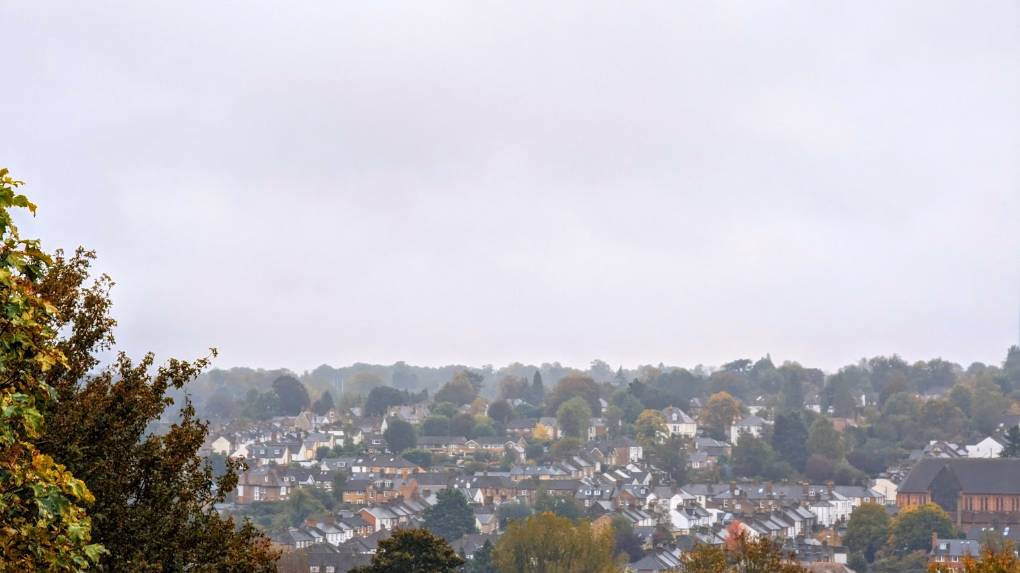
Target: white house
pixel 750 425
pixel 221 445
pixel 887 488
pixel 679 423
pixel 986 448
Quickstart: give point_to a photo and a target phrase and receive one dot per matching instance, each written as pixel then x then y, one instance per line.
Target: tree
pixel 399 435
pixel 1012 445
pixel 740 555
pixel 324 404
pixel 500 411
pixel 752 457
pixel 436 426
pixel 574 385
pixel 482 562
pixel 573 417
pixel 43 525
pixel 458 391
pixel 867 530
pixel 788 438
pixel 536 392
pixel 339 481
pixel 420 458
pixel 557 504
pixel 382 398
pixel 671 457
pixel 625 540
pixel 154 494
pixel 650 427
pixel 547 543
pixel 912 527
pixel 293 395
pixel 413 551
pixel 451 517
pixel 508 512
pixel 630 406
pixel 462 424
pixel 720 412
pixel 824 440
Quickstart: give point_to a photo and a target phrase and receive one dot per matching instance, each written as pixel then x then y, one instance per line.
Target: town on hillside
pixel 671 459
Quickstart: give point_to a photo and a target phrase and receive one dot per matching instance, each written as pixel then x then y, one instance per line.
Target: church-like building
pixel 972 491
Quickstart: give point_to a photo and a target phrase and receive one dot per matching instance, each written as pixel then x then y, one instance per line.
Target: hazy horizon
pixel 481 183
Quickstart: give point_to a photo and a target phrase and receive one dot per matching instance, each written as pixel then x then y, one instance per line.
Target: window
pixel 313 569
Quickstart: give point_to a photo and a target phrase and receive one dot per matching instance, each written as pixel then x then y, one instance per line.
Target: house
pixel 989 447
pixel 974 491
pixel 679 423
pixel 387 465
pixel 270 453
pixel 887 488
pixel 261 484
pixel 222 445
pixel 371 491
pixel 951 552
pixel 598 429
pixel 412 413
pixel 522 428
pixel 485 520
pixel 450 445
pixel 752 425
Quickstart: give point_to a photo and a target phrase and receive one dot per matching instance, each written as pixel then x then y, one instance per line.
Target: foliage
pixel 1012 446
pixel 789 436
pixel 413 551
pixel 509 512
pixel 420 458
pixel 500 411
pixel 154 494
pixel 573 417
pixel 650 427
pixel 546 543
pixel 482 561
pixel 574 385
pixel 824 440
pixel 912 527
pixel 293 395
pixel 740 555
pixel 625 540
pixel 562 506
pixel 867 530
pixel 399 435
pixel 451 517
pixel 43 525
pixel 671 457
pixel 719 413
pixel 991 560
pixel 435 426
pixel 324 404
pixel 458 391
pixel 382 398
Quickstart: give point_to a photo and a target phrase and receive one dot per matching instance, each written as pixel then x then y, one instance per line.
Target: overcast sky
pixel 482 182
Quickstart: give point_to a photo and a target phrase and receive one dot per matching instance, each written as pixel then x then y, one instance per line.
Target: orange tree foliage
pixel 43 526
pixel 740 555
pixel 991 560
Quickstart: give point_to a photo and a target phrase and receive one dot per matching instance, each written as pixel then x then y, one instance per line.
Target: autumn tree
pixel 574 385
pixel 991 560
pixel 413 551
pixel 650 427
pixel 546 543
pixel 459 391
pixel 720 412
pixel 43 525
pixel 740 554
pixel 154 494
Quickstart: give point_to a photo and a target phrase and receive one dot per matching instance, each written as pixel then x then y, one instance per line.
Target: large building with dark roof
pixel 973 491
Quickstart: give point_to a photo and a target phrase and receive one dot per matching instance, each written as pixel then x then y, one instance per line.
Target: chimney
pixel 829 485
pixel 934 540
pixel 768 488
pixel 733 487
